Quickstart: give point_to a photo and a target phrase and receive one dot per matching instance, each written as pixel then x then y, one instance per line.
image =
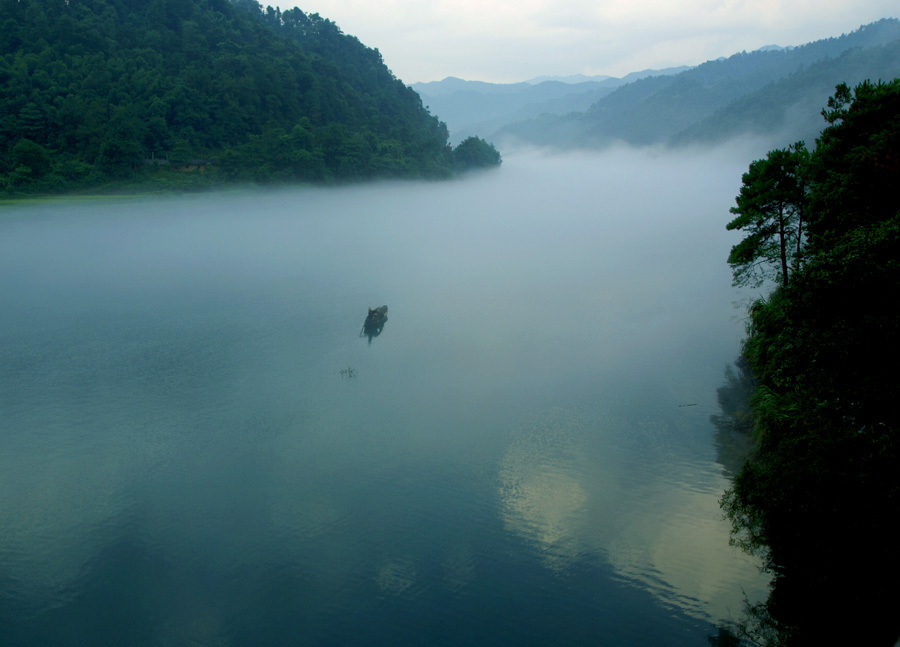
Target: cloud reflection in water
pixel 563 487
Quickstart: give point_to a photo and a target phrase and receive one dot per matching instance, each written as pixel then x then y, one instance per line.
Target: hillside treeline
pixel 95 91
pixel 820 494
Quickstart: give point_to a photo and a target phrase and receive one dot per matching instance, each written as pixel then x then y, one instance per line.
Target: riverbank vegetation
pixel 182 94
pixel 819 494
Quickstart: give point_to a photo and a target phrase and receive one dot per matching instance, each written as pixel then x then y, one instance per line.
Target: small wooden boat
pixel 376 317
pixel 374 323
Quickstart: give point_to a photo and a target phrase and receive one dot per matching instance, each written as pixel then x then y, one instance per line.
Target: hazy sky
pixel 516 40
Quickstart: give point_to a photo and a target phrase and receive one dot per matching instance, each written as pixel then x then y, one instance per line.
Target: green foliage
pixel 93 91
pixel 821 487
pixel 475 153
pixel 770 207
pixel 30 159
pixel 857 164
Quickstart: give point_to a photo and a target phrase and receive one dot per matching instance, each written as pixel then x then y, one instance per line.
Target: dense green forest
pixel 198 92
pixel 819 495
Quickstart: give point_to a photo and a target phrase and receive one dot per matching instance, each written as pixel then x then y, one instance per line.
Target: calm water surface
pixel 523 456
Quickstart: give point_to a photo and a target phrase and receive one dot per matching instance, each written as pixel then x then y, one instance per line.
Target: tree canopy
pixel 474 153
pixel 819 494
pixel 93 91
pixel 770 207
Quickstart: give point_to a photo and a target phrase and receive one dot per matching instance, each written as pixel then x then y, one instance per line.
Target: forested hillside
pixel 790 106
pixel 819 494
pixel 199 91
pixel 766 92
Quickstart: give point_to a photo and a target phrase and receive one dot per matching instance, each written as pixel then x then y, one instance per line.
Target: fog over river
pixel 197 446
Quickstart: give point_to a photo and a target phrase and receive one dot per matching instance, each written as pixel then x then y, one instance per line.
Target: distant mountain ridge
pixel 478 107
pixel 788 109
pixel 774 92
pixel 780 82
pixel 570 78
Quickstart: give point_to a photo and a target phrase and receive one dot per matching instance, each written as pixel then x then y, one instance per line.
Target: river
pixel 198 446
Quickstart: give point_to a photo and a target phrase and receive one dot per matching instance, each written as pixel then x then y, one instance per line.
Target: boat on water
pixel 374 322
pixel 376 317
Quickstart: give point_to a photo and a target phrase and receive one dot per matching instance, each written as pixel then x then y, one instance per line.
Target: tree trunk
pixel 782 241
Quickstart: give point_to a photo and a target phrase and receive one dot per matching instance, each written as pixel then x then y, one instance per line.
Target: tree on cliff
pixel 818 496
pixel 770 208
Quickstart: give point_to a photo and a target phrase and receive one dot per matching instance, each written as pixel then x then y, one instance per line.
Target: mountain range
pixel 774 93
pixel 473 107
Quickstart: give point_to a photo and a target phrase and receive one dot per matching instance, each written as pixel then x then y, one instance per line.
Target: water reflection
pixel 541 488
pixel 582 486
pixel 733 422
pixel 396 576
pixel 175 433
